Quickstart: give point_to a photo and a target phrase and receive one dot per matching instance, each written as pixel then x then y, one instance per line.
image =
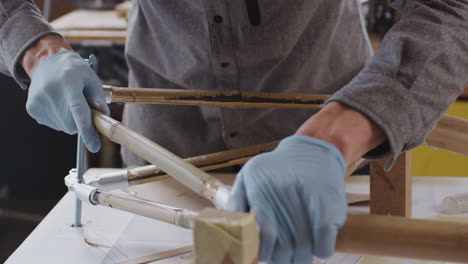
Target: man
pixel 297 190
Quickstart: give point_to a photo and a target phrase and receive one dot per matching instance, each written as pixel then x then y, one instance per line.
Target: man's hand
pixel 63 87
pixel 297 193
pixel 297 190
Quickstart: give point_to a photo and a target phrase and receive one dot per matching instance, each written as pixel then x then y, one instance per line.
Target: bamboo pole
pixel 404 237
pixel 150 173
pixel 184 172
pixel 189 175
pixel 160 175
pixel 377 235
pixel 231 99
pixel 168 214
pixel 451 133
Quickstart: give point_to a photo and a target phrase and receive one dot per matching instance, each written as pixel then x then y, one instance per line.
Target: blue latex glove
pixel 63 87
pixel 297 192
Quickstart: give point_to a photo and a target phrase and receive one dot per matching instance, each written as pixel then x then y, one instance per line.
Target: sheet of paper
pixel 116 236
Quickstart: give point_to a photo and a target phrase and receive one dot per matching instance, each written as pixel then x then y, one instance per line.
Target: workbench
pixel 115 235
pixel 92 26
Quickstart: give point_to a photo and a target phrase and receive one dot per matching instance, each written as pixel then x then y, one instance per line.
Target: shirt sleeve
pixel 21 24
pixel 419 70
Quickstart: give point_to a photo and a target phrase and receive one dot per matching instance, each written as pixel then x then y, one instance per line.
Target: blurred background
pixel 34 159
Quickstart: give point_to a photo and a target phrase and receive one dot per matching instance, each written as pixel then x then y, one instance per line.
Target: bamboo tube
pixel 404 237
pixel 224 156
pixel 451 133
pixel 192 177
pixel 153 173
pixel 160 175
pixel 161 212
pixel 150 173
pixel 231 99
pixel 217 160
pixel 362 234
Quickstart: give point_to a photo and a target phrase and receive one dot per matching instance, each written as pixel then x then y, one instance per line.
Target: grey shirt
pixel 277 46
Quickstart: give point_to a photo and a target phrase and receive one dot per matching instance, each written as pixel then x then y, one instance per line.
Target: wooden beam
pixel 451 133
pixel 390 192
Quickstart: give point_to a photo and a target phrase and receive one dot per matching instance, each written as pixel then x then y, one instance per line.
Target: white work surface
pixel 129 236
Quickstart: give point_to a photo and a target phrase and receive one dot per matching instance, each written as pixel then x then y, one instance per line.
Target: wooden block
pixel 451 134
pixel 222 237
pixel 390 192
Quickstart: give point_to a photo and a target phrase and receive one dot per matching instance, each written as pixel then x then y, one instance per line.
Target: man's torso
pixel 251 45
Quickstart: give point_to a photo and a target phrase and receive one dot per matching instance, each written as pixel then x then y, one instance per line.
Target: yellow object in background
pixel 435 162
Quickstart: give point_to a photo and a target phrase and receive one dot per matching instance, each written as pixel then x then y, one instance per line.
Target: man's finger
pixel 82 116
pixel 268 234
pixel 94 94
pixel 324 240
pixel 303 254
pixel 34 107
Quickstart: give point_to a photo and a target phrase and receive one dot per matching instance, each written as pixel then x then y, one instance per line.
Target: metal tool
pixel 80 151
pixel 79 177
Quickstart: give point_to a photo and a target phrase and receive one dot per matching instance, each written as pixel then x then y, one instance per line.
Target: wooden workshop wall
pixel 434 162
